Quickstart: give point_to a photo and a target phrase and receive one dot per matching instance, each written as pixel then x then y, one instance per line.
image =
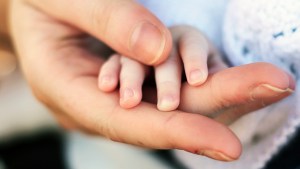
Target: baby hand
pixel 190 47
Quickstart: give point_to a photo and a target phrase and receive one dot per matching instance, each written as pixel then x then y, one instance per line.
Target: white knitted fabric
pixel 264 30
pixel 255 30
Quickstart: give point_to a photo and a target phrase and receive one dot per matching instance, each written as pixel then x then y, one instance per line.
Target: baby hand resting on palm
pixel 191 51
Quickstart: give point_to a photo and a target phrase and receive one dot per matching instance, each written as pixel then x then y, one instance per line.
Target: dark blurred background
pixel 42 150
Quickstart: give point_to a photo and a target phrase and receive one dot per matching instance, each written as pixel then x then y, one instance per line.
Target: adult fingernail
pixel 127 94
pixel 148 42
pixel 197 77
pixel 269 91
pixel 167 103
pixel 216 155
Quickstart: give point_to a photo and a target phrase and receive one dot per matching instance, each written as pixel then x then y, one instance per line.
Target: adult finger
pixel 238 90
pixel 124 25
pixel 145 126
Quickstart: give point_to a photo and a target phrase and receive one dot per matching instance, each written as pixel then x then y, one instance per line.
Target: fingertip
pixel 271 74
pixel 197 77
pixel 218 151
pixel 129 98
pixel 203 136
pixel 107 83
pixel 231 152
pixel 109 74
pixel 168 103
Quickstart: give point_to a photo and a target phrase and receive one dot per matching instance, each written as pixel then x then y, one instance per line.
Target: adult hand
pixel 232 92
pixel 52 44
pixel 7 59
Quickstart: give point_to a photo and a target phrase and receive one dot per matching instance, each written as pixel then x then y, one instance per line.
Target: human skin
pixel 8 60
pixel 62 71
pixel 3 17
pixel 168 78
pixel 191 51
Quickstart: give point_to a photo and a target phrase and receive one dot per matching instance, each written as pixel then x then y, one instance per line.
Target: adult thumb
pixel 124 25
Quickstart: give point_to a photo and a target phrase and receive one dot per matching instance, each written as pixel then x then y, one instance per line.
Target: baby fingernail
pixel 216 155
pixel 266 90
pixel 127 94
pixel 106 80
pixel 196 77
pixel 167 103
